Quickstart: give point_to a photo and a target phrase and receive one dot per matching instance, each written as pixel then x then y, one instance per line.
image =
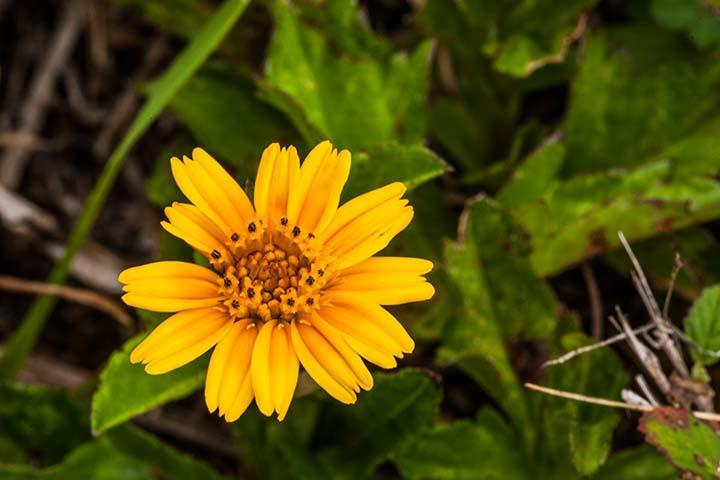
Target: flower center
pixel 272 276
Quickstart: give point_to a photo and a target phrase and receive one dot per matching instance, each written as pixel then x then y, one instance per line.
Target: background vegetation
pixel 530 132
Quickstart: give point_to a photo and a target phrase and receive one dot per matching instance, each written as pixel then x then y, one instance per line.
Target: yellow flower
pixel 293 281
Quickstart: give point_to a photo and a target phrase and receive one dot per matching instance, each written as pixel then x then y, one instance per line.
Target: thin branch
pixel 673 277
pixel 596 306
pixel 33 112
pixel 588 348
pixel 656 315
pixel 82 296
pixel 710 417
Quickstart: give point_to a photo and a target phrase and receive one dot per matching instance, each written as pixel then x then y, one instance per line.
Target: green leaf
pixel 161 92
pixel 387 163
pixel 580 217
pixel 126 391
pixel 502 301
pixel 96 461
pixel 35 419
pixel 697 18
pixel 323 439
pixel 687 442
pixel 702 325
pixel 145 448
pixel 535 176
pixel 668 93
pixel 463 450
pixel 356 102
pixel 220 107
pixel 637 463
pixel 11 453
pixel 356 439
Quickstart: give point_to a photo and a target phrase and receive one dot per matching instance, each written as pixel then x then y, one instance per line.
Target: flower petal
pixel 260 368
pixel 223 180
pixel 189 224
pixel 322 178
pixel 284 369
pixel 375 315
pixel 223 360
pixel 167 269
pixel 180 339
pixel 335 337
pixel 317 371
pixel 277 175
pixel 238 366
pixel 359 206
pixel 417 266
pixel 385 288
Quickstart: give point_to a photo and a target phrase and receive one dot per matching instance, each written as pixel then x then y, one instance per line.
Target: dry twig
pixel 710 417
pixel 32 114
pixel 82 296
pixel 596 307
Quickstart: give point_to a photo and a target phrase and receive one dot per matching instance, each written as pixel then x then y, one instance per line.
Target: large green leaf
pixel 391 162
pixel 126 391
pixel 639 96
pixel 356 102
pixel 45 424
pixel 702 325
pixel 220 107
pixel 687 442
pixel 697 18
pixel 578 218
pixel 323 439
pixel 484 449
pixel 636 463
pixel 161 92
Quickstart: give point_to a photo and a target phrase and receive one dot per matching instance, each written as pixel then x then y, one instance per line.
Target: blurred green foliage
pixel 531 132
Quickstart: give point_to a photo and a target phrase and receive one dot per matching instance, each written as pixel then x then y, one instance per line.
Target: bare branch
pixel 77 295
pixel 710 417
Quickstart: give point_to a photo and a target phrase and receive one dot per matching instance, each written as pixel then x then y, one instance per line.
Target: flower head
pixel 294 280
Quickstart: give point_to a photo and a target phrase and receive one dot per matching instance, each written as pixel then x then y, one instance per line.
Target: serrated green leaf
pixel 462 450
pixel 35 418
pixel 687 442
pixel 387 163
pixel 668 95
pixel 697 18
pixel 636 463
pixel 126 391
pixel 702 325
pixel 222 111
pixel 535 176
pixel 323 439
pixel 353 101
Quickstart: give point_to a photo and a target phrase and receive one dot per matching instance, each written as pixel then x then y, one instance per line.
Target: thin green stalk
pixel 192 57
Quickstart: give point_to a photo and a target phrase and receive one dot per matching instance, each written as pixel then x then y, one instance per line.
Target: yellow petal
pixel 284 370
pixel 189 224
pixel 329 358
pixel 167 305
pixel 222 178
pixel 376 241
pixel 316 371
pixel 264 178
pixel 377 316
pixel 321 182
pixel 181 339
pixel 309 169
pixel 173 287
pixel 352 322
pixel 260 369
pixel 209 206
pixel 167 269
pixel 335 337
pixel 417 266
pixel 359 206
pixel 215 196
pixel 242 400
pixel 219 361
pixel 238 366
